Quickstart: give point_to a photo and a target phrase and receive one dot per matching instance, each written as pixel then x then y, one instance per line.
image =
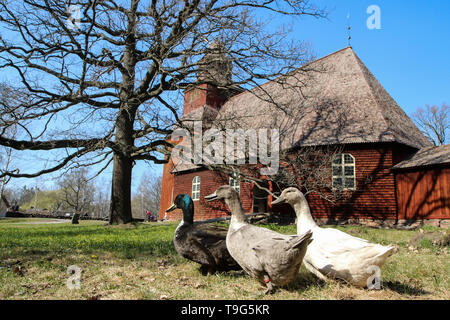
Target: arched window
pixel 344 171
pixel 235 184
pixel 196 188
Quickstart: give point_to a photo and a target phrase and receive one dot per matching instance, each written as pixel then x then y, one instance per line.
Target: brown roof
pixel 333 100
pixel 427 157
pixel 337 101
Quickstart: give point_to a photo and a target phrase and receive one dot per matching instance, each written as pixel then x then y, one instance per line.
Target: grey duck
pixel 272 258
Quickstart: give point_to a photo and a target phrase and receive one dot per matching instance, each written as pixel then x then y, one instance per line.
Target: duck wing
pixel 194 250
pixel 341 249
pixel 209 234
pixel 281 248
pixel 213 239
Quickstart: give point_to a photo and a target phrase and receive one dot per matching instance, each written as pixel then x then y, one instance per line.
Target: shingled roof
pixel 427 157
pixel 333 100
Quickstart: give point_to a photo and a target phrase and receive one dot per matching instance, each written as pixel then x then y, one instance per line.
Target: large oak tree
pixel 107 89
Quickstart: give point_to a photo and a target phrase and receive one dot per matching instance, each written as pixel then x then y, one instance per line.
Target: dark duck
pixel 201 243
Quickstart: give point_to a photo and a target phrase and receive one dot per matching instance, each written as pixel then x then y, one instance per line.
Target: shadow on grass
pixel 404 288
pixel 304 281
pixel 233 274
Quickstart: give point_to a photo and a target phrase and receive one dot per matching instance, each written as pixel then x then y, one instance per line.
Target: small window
pixel 196 188
pixel 343 169
pixel 235 184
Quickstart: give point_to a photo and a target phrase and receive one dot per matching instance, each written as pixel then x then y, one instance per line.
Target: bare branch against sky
pixel 434 122
pixel 102 83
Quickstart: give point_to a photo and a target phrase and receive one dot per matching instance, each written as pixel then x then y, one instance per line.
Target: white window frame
pixel 195 195
pixel 344 162
pixel 234 185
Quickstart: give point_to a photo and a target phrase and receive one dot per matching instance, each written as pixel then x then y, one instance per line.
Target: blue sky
pixel 409 55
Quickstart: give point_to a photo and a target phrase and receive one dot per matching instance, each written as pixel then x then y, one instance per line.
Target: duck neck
pixel 188 212
pixel 305 220
pixel 237 213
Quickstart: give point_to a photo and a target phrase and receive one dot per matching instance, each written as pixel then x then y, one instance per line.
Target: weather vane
pixel 348 30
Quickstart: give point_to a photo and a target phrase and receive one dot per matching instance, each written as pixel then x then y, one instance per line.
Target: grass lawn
pixel 139 261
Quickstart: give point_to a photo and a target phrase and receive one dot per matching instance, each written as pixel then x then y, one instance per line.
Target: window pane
pixel 196 188
pixel 348 158
pixel 235 184
pixel 349 183
pixel 337 171
pixel 337 182
pixel 337 159
pixel 349 171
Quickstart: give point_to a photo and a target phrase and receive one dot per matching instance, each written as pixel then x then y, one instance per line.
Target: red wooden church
pixel 387 167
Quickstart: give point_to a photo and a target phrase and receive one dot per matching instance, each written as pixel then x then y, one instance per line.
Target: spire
pixel 349 37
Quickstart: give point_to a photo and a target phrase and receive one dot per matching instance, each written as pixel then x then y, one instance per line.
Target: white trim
pixel 234 186
pixel 342 165
pixel 195 194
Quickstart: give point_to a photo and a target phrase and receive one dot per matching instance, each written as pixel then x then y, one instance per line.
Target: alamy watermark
pixel 74 21
pixel 374 281
pixel 73 282
pixel 374 20
pixel 228 146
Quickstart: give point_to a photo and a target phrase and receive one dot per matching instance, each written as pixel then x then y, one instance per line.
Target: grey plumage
pixel 272 258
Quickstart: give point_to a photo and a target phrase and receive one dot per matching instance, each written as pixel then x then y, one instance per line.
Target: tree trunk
pixel 5 200
pixel 120 210
pixel 75 218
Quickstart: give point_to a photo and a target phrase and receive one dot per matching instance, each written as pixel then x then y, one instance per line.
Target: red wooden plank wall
pixel 424 193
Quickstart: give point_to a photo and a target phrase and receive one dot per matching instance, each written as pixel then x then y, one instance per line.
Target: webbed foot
pixel 270 287
pixel 205 269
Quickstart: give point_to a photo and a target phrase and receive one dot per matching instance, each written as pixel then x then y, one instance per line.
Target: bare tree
pixel 77 191
pixel 310 170
pixel 106 89
pixel 434 122
pixel 5 161
pixel 149 195
pixel 100 206
pixel 5 152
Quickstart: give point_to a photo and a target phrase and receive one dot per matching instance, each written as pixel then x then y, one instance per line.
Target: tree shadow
pixel 305 281
pixel 233 274
pixel 403 288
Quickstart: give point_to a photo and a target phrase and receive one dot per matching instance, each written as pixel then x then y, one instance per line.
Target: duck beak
pixel 280 199
pixel 172 207
pixel 211 197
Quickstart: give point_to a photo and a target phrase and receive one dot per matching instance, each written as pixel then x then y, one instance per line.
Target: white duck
pixel 272 258
pixel 334 253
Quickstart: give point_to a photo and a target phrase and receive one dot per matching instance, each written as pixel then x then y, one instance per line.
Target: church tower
pixel 214 78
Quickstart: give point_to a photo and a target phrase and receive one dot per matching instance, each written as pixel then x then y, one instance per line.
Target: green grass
pixel 87 237
pixel 138 261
